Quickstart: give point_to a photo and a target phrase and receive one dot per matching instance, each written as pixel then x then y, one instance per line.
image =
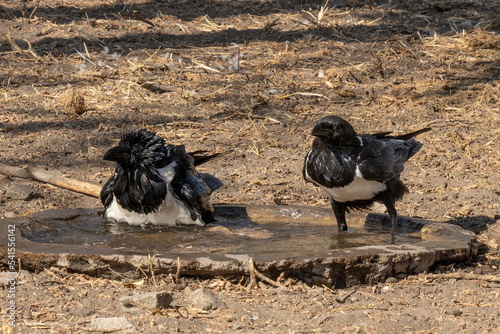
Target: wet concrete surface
pixel 300 241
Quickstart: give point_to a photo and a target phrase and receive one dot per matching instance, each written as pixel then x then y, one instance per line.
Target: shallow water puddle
pixel 238 230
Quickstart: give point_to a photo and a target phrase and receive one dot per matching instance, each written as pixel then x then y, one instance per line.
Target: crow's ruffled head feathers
pixel 138 148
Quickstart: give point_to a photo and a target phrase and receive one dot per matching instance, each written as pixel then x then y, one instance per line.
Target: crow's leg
pixel 393 214
pixel 339 211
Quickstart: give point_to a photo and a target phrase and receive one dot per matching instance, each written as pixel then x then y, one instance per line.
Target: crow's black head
pixel 138 148
pixel 333 128
pixel 137 184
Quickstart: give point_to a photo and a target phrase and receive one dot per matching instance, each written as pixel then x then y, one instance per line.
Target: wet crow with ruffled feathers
pixel 357 170
pixel 157 183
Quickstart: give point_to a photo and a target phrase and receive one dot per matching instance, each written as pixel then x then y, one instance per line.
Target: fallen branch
pixel 254 274
pixel 51 177
pixel 253 278
pixel 470 276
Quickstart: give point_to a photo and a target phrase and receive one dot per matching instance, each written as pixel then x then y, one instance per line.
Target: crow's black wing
pixel 376 159
pixel 404 150
pixel 107 192
pixel 190 187
pixel 195 194
pixel 374 163
pixel 383 159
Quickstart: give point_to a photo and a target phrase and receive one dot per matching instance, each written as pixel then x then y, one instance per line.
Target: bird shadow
pixel 476 224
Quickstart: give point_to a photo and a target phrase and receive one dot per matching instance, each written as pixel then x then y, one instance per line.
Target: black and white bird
pixel 357 170
pixel 157 183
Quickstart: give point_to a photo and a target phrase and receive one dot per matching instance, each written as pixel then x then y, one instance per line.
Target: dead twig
pixel 303 94
pixel 151 269
pixel 178 272
pixel 52 177
pixel 270 25
pixel 51 282
pixel 30 52
pixel 161 88
pixel 470 276
pixel 253 278
pixel 249 114
pixel 91 37
pixel 140 18
pixel 139 268
pixel 342 299
pixel 254 274
pixel 178 309
pixel 370 295
pixel 205 67
pixel 85 58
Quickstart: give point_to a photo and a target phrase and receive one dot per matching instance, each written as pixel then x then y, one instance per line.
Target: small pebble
pixel 205 299
pixel 391 280
pixel 110 325
pixel 455 313
pixel 10 214
pixel 149 300
pixel 401 276
pixel 22 192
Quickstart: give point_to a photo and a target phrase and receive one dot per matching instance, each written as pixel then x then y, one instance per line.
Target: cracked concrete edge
pixel 441 243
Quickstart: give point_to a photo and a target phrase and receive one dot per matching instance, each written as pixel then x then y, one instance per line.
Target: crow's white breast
pixel 358 189
pixel 171 212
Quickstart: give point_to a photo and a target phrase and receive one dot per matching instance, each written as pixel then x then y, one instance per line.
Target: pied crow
pixel 357 170
pixel 157 183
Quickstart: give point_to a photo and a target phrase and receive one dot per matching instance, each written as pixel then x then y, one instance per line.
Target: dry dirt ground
pixel 250 79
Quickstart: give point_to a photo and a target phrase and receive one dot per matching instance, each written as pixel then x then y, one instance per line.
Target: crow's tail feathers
pixel 200 156
pixel 411 134
pixel 212 182
pixel 406 136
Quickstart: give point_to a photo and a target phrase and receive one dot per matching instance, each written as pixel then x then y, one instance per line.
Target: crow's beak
pixel 120 154
pixel 321 130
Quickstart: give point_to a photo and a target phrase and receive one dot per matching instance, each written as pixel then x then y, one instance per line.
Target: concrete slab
pixel 302 242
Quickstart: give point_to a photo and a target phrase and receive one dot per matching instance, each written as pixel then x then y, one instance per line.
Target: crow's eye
pixel 339 127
